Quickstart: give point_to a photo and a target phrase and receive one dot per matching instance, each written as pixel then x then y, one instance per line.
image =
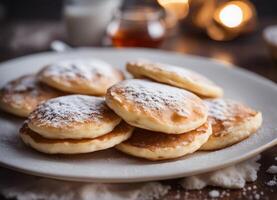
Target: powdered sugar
pixel 74 69
pixel 159 97
pixel 272 182
pixel 252 192
pixel 70 109
pixel 27 91
pixel 218 109
pixel 272 169
pixel 28 83
pixel 231 177
pixel 227 110
pixel 22 84
pixel 214 193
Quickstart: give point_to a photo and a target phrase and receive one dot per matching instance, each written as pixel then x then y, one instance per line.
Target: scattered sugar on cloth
pixel 235 176
pixel 272 169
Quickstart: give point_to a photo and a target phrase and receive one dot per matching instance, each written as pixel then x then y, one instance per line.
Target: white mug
pixel 86 20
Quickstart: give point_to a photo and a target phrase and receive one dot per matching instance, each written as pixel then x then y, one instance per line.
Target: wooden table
pixel 248 52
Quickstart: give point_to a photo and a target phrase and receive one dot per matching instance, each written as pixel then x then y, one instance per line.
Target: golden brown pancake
pixel 175 76
pixel 156 107
pixel 87 76
pixel 231 121
pixel 73 146
pixel 160 146
pixel 22 95
pixel 73 116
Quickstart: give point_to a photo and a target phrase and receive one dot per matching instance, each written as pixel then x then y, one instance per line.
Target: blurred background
pixel 239 32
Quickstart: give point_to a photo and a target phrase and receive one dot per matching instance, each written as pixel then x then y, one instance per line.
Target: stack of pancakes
pixel 165 112
pixel 74 124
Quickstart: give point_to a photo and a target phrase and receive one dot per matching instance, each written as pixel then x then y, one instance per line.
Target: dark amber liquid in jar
pixel 137 28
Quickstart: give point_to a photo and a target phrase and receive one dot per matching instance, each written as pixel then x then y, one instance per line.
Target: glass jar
pixel 137 27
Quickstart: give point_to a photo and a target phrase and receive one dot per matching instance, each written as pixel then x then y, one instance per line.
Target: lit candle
pixel 231 19
pixel 175 10
pixel 178 7
pixel 231 16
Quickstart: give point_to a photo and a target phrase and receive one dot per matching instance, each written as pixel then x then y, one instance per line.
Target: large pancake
pixel 22 95
pixel 156 107
pixel 87 76
pixel 73 116
pixel 176 76
pixel 73 146
pixel 160 146
pixel 231 121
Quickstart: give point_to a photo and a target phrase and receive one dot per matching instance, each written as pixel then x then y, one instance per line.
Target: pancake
pixel 232 122
pixel 22 95
pixel 72 146
pixel 88 76
pixel 160 146
pixel 175 76
pixel 73 116
pixel 156 107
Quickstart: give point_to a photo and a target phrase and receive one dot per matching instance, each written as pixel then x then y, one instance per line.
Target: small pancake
pixel 72 146
pixel 22 95
pixel 157 107
pixel 92 76
pixel 160 146
pixel 175 76
pixel 231 121
pixel 73 117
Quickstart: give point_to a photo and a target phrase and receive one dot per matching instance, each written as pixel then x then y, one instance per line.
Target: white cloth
pixel 27 187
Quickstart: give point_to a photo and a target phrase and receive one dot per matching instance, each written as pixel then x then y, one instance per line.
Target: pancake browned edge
pixel 22 95
pixel 175 76
pixel 86 76
pixel 75 146
pixel 156 107
pixel 159 146
pixel 231 121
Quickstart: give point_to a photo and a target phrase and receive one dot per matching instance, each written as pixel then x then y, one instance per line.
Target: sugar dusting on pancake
pixel 231 121
pixel 23 94
pixel 224 112
pixel 148 95
pixel 72 109
pixel 16 90
pixel 76 69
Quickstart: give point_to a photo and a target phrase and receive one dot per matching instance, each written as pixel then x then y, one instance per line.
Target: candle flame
pixel 231 15
pixel 177 7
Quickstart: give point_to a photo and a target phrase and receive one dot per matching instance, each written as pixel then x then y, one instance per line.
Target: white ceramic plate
pixel 113 166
